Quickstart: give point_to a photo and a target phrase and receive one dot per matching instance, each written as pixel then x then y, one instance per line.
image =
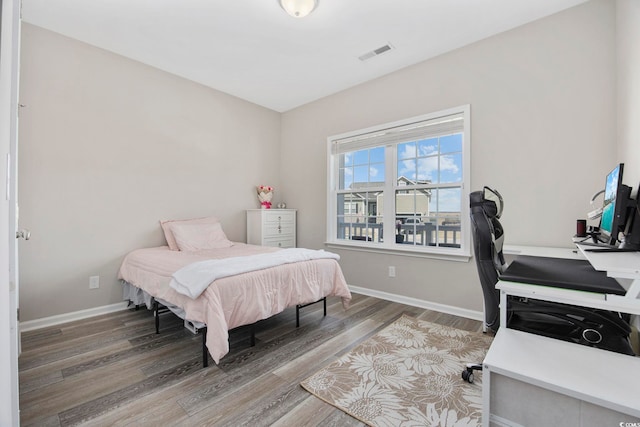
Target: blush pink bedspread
pixel 237 300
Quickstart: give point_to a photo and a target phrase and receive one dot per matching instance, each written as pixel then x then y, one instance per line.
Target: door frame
pixel 9 335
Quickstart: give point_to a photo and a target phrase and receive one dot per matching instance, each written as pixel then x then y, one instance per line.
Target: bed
pixel 151 275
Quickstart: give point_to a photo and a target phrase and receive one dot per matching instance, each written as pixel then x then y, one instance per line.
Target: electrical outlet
pixel 392 271
pixel 94 282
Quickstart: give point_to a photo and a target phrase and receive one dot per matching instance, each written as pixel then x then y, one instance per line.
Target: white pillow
pixel 197 237
pixel 168 234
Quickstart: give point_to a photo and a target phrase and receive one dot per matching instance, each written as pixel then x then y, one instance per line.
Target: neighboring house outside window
pixel 402 185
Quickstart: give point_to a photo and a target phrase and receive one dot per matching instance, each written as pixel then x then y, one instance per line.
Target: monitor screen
pixel 610 221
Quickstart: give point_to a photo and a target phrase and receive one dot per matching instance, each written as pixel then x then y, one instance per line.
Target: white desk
pixel 622 266
pixel 531 380
pixel 549 252
pixel 534 380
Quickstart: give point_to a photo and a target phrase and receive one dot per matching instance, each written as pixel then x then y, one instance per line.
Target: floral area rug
pixel 407 375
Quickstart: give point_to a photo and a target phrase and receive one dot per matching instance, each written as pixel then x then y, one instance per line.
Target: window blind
pixel 425 129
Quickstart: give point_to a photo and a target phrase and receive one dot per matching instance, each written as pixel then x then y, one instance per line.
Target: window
pixel 403 185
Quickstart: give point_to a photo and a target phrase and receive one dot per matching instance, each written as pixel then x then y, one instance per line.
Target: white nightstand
pixel 271 227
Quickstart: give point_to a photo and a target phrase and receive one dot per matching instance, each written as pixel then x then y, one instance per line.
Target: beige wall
pixel 109 146
pixel 628 55
pixel 543 128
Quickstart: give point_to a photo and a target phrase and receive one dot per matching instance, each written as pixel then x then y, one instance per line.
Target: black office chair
pixel 586 326
pixel 488 237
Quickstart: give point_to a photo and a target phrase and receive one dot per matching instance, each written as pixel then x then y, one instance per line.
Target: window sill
pixel 440 253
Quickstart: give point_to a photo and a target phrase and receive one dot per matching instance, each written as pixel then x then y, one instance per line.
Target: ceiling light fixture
pixel 298 8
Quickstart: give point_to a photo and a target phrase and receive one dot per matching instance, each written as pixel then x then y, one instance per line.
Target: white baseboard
pixel 44 322
pixel 31 325
pixel 442 308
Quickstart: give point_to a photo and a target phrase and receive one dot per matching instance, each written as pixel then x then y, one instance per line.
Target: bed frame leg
pixel 205 353
pixel 299 306
pixel 156 313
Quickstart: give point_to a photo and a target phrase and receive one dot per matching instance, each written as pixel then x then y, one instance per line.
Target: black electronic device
pixel 631 236
pixel 615 206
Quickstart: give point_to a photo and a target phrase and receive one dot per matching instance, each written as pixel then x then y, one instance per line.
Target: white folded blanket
pixel 193 279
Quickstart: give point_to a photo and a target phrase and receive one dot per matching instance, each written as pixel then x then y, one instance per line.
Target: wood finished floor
pixel 113 370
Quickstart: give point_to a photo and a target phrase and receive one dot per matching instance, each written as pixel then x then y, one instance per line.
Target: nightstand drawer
pixel 279 217
pixel 271 230
pixel 286 242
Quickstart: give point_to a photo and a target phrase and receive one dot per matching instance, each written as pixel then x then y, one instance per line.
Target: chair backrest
pixel 488 236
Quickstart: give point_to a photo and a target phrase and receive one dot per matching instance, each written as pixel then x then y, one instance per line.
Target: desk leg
pixel 634 289
pixel 486 395
pixel 503 309
pixel 484 318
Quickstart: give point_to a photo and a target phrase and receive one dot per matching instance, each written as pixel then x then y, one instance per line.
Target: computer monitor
pixel 631 239
pixel 614 207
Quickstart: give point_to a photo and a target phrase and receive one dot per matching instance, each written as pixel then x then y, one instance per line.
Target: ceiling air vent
pixel 376 52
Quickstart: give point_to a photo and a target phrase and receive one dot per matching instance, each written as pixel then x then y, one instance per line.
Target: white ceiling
pixel 252 49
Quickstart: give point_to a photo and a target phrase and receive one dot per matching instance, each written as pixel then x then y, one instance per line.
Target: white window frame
pixel 462 253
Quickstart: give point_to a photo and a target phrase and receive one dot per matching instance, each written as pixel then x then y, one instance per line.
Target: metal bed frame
pixel 159 308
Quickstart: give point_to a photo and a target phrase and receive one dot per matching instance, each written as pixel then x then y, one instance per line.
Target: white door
pixel 9 336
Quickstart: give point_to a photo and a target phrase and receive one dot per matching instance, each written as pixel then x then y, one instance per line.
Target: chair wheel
pixel 467 375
